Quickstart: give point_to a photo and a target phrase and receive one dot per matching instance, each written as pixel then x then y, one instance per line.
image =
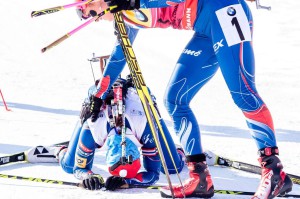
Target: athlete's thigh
pixel 231 32
pixel 196 65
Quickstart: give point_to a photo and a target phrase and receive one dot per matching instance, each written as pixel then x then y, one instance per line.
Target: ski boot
pixel 199 184
pixel 60 153
pixel 45 154
pixel 274 181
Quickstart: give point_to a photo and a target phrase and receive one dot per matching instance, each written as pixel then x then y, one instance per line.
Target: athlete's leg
pixel 67 156
pixel 236 59
pixel 85 152
pixel 196 66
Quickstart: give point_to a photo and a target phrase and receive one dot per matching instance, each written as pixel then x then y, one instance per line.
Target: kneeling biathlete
pixel 105 133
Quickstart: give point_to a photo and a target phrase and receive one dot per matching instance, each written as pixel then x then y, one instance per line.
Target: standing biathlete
pixel 222 39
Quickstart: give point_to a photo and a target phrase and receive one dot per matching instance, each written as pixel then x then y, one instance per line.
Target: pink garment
pixel 179 16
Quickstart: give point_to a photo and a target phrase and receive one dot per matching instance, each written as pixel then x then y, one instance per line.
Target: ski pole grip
pixel 58 41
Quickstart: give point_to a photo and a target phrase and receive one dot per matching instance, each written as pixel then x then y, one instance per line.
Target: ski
pixel 249 167
pixel 19 157
pixel 60 182
pixel 22 156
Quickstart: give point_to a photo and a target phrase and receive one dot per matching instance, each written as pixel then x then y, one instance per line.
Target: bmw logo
pixel 141 16
pixel 231 11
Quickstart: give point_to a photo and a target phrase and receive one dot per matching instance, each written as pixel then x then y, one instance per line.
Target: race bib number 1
pixel 234 24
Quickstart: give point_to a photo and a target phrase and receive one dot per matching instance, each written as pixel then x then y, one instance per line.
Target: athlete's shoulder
pixel 159 3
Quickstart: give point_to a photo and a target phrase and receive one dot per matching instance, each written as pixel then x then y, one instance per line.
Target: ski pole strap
pixel 268 151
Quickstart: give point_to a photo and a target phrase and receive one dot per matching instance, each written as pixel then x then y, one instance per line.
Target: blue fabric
pixel 179 163
pixel 192 72
pixel 151 175
pixel 114 151
pixel 67 160
pixel 85 152
pixel 117 61
pixel 81 134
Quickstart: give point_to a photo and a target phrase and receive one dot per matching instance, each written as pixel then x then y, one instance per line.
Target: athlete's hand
pixel 122 5
pixel 96 104
pixel 94 182
pixel 114 182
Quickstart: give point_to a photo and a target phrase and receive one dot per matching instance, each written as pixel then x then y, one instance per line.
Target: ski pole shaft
pixel 57 8
pixel 33 179
pixel 69 34
pixel 5 105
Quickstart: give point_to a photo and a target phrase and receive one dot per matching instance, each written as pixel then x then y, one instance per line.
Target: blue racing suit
pixel 222 39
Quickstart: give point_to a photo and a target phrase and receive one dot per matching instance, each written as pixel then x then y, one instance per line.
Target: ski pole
pixel 59 182
pixel 5 105
pixel 61 39
pixel 143 94
pixel 33 179
pixel 57 8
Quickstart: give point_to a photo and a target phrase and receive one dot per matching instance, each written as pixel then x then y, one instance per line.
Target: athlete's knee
pixel 66 161
pixel 86 140
pixel 169 105
pixel 179 161
pixel 247 101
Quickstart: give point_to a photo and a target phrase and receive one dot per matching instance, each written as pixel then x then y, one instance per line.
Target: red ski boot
pixel 274 180
pixel 198 185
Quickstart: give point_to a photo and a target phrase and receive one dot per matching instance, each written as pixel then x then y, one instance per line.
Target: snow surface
pixel 45 92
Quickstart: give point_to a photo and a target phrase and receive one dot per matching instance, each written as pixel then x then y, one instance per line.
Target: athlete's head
pixel 80 10
pixel 114 155
pixel 94 7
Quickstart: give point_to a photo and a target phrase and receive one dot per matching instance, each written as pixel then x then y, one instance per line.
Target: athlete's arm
pixel 158 3
pixel 115 64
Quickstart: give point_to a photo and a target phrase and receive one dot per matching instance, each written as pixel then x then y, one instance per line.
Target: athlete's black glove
pixel 123 5
pixel 94 182
pixel 114 182
pixel 96 104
